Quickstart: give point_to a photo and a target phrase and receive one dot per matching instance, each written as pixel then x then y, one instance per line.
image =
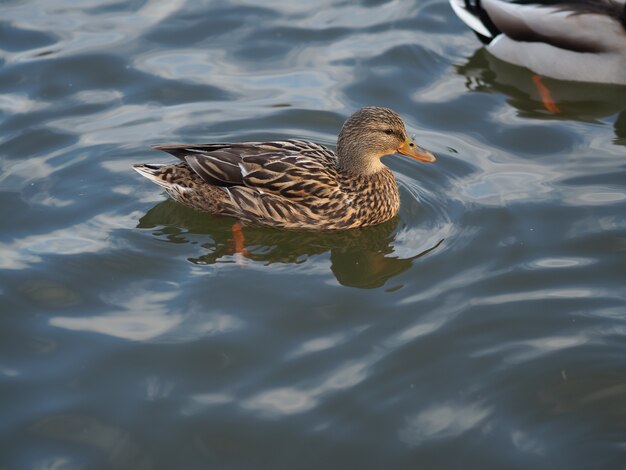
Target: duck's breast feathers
pixel 576 25
pixel 230 164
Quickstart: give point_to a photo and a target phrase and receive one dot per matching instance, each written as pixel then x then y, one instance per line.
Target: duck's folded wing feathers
pixel 575 26
pixel 295 177
pixel 220 168
pixel 291 189
pixel 224 164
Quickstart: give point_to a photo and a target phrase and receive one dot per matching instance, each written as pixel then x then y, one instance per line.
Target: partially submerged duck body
pixel 294 184
pixel 578 40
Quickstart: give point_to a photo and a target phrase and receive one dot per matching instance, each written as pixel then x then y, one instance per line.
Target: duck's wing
pixel 575 25
pixel 292 169
pixel 290 184
pixel 229 164
pixel 219 163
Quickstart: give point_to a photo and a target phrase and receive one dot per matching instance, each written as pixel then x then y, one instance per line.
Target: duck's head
pixel 370 134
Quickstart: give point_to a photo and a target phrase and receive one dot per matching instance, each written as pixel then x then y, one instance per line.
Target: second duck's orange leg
pixel 548 103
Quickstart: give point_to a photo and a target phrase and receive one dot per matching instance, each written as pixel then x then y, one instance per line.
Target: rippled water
pixel 483 328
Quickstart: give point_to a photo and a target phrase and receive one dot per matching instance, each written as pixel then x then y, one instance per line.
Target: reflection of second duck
pixel 586 102
pixel 360 258
pixel 580 101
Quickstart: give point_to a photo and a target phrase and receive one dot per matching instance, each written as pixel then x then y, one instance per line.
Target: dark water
pixel 132 334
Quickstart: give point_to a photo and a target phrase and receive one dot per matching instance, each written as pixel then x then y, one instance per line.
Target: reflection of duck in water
pixel 295 184
pixel 362 258
pixel 587 102
pixel 577 40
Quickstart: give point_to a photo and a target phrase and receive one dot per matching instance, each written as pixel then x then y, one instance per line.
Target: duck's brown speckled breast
pixel 374 198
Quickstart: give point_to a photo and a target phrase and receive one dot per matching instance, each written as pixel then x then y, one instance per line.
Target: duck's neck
pixel 354 160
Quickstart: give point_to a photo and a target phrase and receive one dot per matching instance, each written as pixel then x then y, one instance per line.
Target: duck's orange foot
pixel 547 100
pixel 239 240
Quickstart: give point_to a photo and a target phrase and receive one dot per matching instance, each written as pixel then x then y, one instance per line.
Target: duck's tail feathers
pixel 154 172
pixel 474 15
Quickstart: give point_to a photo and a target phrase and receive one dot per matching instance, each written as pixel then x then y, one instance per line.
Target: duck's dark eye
pixel 389 131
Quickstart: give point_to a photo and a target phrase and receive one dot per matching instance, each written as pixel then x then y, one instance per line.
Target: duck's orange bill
pixel 409 149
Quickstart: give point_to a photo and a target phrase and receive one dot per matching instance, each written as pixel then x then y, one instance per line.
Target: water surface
pixel 482 328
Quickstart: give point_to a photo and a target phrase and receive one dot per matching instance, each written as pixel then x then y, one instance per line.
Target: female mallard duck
pixel 579 40
pixel 295 184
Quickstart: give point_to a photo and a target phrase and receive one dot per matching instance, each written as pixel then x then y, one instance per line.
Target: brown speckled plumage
pixel 294 184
